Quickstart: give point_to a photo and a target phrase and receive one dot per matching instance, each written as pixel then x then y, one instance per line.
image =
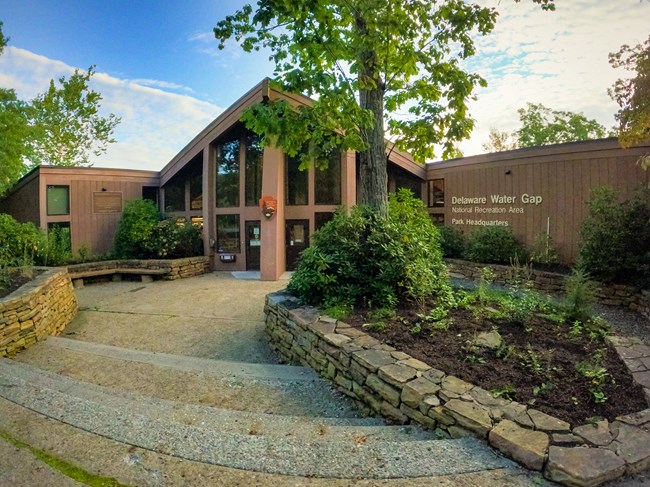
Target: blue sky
pixel 158 66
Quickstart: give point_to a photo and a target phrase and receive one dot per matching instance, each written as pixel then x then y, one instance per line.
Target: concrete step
pixel 258 388
pixel 212 436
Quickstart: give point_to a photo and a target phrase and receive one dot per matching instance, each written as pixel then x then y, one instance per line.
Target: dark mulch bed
pixel 567 393
pixel 16 279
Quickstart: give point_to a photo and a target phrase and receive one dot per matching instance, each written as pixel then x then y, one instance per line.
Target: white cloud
pixel 155 125
pixel 556 58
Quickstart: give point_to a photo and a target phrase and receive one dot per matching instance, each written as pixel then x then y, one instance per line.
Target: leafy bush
pixel 57 248
pixel 452 241
pixel 580 295
pixel 364 259
pixel 171 239
pixel 19 242
pixel 543 250
pixel 496 245
pixel 615 238
pixel 136 225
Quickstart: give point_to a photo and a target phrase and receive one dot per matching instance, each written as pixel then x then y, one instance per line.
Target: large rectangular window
pixel 321 218
pixel 328 182
pixel 436 193
pixel 196 191
pixel 296 183
pixel 59 236
pixel 150 193
pixel 405 180
pixel 254 157
pixel 228 240
pixel 58 200
pixel 175 194
pixel 228 174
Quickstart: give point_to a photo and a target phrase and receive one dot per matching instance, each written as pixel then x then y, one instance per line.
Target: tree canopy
pixel 14 131
pixel 633 96
pixel 370 65
pixel 543 126
pixel 499 141
pixel 67 127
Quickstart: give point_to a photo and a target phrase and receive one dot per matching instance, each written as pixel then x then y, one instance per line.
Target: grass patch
pixel 66 468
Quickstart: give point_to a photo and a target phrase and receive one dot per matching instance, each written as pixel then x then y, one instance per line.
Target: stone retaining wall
pixel 177 268
pixel 553 283
pixel 382 380
pixel 42 307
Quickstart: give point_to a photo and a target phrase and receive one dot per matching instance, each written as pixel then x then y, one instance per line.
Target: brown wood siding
pixel 22 203
pixel 94 230
pixel 563 178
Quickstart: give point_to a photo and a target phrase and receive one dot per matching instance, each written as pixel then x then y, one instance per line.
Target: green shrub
pixel 138 221
pixel 452 241
pixel 615 238
pixel 580 296
pixel 57 248
pixel 543 250
pixel 494 245
pixel 19 242
pixel 364 259
pixel 171 239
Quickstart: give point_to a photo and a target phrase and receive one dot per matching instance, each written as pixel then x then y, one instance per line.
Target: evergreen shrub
pixel 494 245
pixel 615 238
pixel 365 259
pixel 452 242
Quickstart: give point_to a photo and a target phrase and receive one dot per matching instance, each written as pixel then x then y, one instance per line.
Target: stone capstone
pixel 582 467
pixel 336 339
pixel 525 446
pixel 470 415
pixel 632 444
pixel 373 359
pixel 397 375
pixel 455 385
pixel 415 391
pixel 597 434
pixel 545 422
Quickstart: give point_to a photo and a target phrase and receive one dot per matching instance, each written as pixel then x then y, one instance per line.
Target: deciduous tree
pixel 13 133
pixel 633 96
pixel 366 63
pixel 542 126
pixel 499 141
pixel 67 127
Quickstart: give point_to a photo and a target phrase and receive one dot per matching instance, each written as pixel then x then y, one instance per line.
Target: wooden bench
pixel 146 275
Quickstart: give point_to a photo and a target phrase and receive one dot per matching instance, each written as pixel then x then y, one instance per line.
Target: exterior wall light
pixel 269 205
pixel 508 172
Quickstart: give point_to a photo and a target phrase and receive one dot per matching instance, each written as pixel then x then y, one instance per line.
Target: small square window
pixel 58 200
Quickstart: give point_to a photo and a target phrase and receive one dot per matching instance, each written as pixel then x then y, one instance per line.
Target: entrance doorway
pixel 253 230
pixel 296 240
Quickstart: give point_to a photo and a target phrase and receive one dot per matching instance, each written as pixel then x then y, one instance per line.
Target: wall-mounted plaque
pixel 107 202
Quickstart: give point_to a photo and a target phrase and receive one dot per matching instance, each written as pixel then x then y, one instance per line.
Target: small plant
pixel 580 295
pixel 84 252
pixel 505 351
pixel 379 326
pixel 338 311
pixel 544 387
pixel 597 374
pixel 416 329
pixel 544 250
pixel 473 353
pixel 441 325
pixel 484 284
pixel 507 392
pixel 382 314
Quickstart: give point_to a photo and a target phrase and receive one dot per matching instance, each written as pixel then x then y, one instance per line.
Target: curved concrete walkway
pixel 172 383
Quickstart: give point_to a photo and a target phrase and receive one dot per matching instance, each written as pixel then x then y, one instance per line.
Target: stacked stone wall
pixel 553 283
pixel 42 307
pixel 173 268
pixel 384 381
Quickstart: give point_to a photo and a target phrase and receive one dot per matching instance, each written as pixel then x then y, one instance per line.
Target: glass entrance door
pixel 296 240
pixel 253 244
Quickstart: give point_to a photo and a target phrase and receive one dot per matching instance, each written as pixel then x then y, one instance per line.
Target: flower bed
pixel 386 381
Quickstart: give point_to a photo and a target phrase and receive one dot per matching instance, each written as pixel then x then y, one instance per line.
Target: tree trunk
pixel 372 170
